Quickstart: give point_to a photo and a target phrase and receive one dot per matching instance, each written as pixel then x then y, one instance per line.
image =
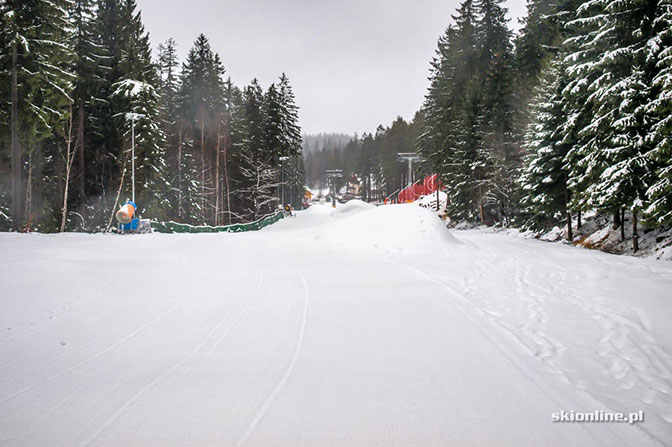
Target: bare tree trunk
pixel 617 219
pixel 480 205
pixel 116 200
pixel 29 194
pixel 570 235
pixel 219 140
pixel 635 236
pixel 203 163
pixel 69 158
pixel 17 193
pixel 226 177
pixel 59 184
pixel 622 224
pixel 38 187
pixel 82 161
pixel 578 219
pixel 179 170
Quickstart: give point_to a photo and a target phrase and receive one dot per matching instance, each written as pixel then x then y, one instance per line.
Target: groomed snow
pixel 374 326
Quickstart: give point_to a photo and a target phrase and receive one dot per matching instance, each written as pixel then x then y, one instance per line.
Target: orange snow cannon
pixel 126 212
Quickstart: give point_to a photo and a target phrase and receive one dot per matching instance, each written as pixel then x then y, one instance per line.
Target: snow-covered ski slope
pixel 359 327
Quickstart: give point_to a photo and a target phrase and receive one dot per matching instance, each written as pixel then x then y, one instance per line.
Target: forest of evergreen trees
pixel 572 113
pixel 371 158
pixel 76 74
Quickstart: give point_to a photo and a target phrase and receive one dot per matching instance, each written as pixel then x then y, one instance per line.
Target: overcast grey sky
pixel 353 64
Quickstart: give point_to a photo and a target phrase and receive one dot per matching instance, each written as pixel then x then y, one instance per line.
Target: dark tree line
pixel 77 75
pixel 571 115
pixel 371 158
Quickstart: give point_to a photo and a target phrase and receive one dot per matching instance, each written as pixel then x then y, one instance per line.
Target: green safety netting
pixel 174 227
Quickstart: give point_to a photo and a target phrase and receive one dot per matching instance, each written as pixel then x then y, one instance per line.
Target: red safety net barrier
pixel 419 189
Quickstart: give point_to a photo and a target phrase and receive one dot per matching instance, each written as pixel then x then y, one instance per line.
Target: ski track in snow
pixel 91 341
pixel 367 326
pixel 149 324
pixel 500 347
pixel 261 412
pixel 192 354
pixel 53 411
pixel 627 351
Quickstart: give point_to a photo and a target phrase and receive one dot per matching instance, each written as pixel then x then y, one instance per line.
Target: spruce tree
pixel 36 66
pixel 259 175
pixel 201 98
pixel 448 137
pixel 274 123
pixel 88 57
pixel 495 116
pixel 608 84
pixel 536 44
pixel 106 156
pixel 136 94
pixel 659 111
pixel 292 142
pixel 544 178
pixel 236 132
pixel 169 118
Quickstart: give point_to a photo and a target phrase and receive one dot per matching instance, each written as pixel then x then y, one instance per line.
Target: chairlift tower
pixel 332 175
pixel 410 157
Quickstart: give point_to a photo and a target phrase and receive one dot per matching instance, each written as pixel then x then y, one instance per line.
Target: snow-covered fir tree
pixel 89 56
pixel 546 195
pixel 291 141
pixel 608 83
pixel 259 174
pixel 36 68
pixel 468 136
pixel 169 86
pixel 659 111
pixel 201 97
pixel 135 97
pixel 448 138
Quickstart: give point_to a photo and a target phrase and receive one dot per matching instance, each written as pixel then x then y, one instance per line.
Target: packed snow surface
pixel 373 326
pixel 352 206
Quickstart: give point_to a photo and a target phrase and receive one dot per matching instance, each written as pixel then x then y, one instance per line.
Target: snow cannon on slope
pixel 126 216
pixel 126 213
